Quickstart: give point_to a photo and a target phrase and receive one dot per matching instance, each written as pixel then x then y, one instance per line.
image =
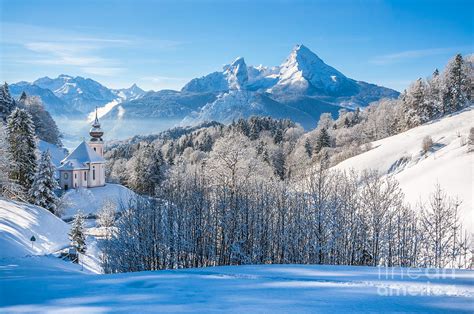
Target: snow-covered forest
pixel 259 190
pixel 262 191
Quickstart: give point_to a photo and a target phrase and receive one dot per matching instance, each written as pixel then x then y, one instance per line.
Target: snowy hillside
pixel 447 163
pixel 89 201
pixel 234 289
pixel 19 222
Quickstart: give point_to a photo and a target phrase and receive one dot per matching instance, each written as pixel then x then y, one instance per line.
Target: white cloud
pixel 411 54
pixel 69 48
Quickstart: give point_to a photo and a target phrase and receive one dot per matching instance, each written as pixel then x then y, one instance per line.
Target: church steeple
pixel 96 132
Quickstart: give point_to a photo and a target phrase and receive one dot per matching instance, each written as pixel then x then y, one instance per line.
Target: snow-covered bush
pixel 426 144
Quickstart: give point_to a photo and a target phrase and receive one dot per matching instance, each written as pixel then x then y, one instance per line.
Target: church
pixel 85 166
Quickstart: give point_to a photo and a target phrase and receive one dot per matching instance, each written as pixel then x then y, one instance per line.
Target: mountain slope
pixel 447 163
pixel 53 104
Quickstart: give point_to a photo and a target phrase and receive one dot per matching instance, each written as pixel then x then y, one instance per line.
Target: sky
pixel 164 44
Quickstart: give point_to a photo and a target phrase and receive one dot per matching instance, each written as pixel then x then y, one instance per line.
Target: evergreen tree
pixel 323 140
pixel 308 148
pixel 44 184
pixel 457 84
pixel 414 104
pixel 22 146
pixel 7 104
pixel 470 141
pixel 77 235
pixel 434 95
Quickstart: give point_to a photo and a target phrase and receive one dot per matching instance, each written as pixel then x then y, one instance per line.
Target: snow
pixel 79 157
pixel 91 200
pixel 44 284
pixel 57 153
pixel 19 221
pixel 447 163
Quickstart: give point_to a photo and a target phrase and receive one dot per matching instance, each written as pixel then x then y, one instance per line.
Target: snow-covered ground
pixel 19 222
pixel 57 153
pixel 34 280
pixel 447 163
pixel 44 284
pixel 89 201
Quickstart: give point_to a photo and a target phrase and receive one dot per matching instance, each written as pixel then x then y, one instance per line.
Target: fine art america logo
pixel 414 281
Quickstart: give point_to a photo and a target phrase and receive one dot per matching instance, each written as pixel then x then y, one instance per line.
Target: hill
pixel 447 162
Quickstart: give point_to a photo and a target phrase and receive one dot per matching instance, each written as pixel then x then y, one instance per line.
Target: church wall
pixel 65 180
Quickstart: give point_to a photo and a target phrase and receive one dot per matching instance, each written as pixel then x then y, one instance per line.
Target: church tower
pixel 96 142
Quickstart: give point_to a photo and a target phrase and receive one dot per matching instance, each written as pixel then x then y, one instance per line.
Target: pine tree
pixel 7 104
pixel 470 141
pixel 308 148
pixel 434 94
pixel 44 184
pixel 22 146
pixel 323 140
pixel 457 84
pixel 77 235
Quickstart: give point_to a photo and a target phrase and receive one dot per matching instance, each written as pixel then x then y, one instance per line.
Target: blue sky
pixel 163 44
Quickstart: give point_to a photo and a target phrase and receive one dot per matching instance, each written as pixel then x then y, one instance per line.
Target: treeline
pixel 45 127
pixel 260 191
pixel 285 146
pixel 229 214
pixel 24 175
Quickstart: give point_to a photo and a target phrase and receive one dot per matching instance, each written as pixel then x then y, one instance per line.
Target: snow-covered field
pixel 45 284
pixel 447 163
pixel 91 200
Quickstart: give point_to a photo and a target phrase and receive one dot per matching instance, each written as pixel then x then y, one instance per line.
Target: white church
pixel 85 166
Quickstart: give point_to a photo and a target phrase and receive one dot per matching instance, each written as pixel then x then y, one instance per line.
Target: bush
pixel 426 144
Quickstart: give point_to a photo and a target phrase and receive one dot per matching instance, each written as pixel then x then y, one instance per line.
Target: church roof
pixel 80 157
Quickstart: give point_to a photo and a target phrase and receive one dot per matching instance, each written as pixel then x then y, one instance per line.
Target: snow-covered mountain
pixel 74 96
pixel 131 93
pixel 54 104
pixel 301 88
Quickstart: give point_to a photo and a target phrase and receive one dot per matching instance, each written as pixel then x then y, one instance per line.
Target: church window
pixel 75 176
pixel 93 173
pixel 85 175
pixel 65 175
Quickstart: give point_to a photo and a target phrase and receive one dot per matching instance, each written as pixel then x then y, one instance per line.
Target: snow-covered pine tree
pixel 77 235
pixel 414 104
pixel 434 95
pixel 42 190
pixel 22 146
pixel 457 84
pixel 323 140
pixel 7 104
pixel 470 141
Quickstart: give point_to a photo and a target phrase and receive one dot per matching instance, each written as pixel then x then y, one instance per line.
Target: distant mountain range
pixel 301 88
pixel 67 95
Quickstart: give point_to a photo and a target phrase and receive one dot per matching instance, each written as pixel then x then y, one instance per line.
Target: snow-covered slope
pixel 20 221
pixel 57 153
pixel 52 288
pixel 447 163
pixel 89 201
